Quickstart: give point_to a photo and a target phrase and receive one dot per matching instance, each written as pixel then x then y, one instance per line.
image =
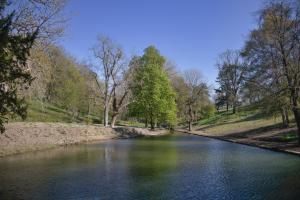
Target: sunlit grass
pixel 245 119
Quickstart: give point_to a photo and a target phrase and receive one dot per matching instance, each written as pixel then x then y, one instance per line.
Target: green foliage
pixel 70 90
pixel 207 111
pixel 88 120
pixel 290 136
pixel 62 84
pixel 14 50
pixel 154 98
pixel 67 86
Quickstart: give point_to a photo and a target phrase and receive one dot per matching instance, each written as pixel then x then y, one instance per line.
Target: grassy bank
pixel 45 112
pixel 246 121
pixel 250 126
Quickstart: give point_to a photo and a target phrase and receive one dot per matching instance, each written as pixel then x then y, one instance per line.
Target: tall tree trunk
pixel 190 125
pixel 152 124
pixel 105 117
pixel 285 118
pixel 190 117
pixel 227 105
pixel 146 123
pixel 113 120
pixel 234 107
pixel 106 103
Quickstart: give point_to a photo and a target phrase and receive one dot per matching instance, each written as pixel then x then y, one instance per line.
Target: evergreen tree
pixel 154 99
pixel 14 50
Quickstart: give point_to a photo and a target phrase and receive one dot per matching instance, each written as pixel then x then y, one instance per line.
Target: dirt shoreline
pixel 21 137
pixel 285 147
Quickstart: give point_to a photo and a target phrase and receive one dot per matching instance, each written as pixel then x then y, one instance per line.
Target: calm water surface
pixel 167 167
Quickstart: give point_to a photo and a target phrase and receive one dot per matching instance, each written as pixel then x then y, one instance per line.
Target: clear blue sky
pixel 191 33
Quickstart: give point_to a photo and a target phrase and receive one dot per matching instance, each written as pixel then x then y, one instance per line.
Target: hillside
pixel 46 112
pixel 248 121
pixel 250 126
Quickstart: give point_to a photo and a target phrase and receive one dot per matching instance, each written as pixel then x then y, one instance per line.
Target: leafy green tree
pixel 153 96
pixel 67 88
pixel 70 92
pixel 14 51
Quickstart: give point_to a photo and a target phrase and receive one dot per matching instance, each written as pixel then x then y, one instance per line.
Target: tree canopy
pixel 153 96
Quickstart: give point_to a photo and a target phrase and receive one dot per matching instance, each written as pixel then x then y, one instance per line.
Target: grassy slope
pixel 46 112
pixel 246 121
pixel 50 113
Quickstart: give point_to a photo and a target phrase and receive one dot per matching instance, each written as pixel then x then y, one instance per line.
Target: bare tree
pixel 111 57
pixel 120 100
pixel 231 75
pixel 196 89
pixel 44 17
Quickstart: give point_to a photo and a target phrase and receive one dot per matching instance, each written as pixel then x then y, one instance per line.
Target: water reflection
pixel 152 161
pixel 167 167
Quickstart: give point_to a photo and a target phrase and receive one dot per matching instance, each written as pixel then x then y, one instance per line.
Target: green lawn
pixel 46 112
pixel 245 119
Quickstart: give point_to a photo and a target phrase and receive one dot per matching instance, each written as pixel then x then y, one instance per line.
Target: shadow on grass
pixel 213 125
pixel 254 132
pixel 226 119
pixel 279 134
pixel 253 117
pixel 286 135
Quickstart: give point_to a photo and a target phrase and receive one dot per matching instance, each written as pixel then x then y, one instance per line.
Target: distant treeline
pixel 146 88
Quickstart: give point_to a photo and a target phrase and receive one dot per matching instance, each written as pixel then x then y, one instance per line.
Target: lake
pixel 167 167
